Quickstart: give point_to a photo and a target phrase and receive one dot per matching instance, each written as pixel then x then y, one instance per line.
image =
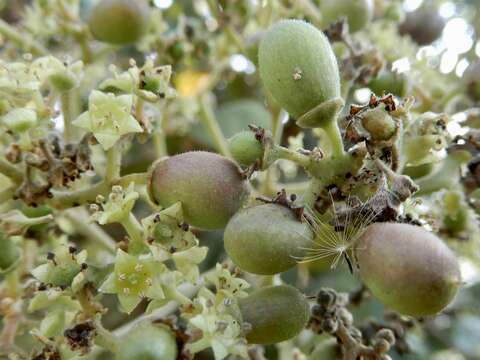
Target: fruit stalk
pixel 208 120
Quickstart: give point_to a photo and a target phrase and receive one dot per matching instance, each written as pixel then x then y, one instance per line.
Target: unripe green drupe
pixel 407 268
pixel 245 148
pixel 209 186
pixel 119 22
pixel 266 239
pixel 390 82
pixel 358 12
pixel 147 342
pixel 275 313
pixel 300 71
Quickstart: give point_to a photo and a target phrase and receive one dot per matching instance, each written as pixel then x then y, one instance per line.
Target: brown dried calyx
pixel 330 315
pixel 80 337
pixel 383 206
pixel 59 165
pixel 363 63
pixel 288 201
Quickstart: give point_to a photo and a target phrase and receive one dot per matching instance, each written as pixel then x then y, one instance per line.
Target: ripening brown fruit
pixel 274 314
pixel 266 239
pixel 119 22
pixel 407 268
pixel 209 186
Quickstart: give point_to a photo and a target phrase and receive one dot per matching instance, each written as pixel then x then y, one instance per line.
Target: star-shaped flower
pixel 63 268
pixel 133 278
pixel 108 118
pixel 219 328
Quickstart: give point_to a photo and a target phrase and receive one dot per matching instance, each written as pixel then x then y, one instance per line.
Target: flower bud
pixel 20 120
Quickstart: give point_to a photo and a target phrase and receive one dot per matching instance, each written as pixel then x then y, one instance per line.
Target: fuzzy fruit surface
pixel 407 268
pixel 295 59
pixel 245 148
pixel 275 313
pixel 119 22
pixel 358 12
pixel 147 342
pixel 209 186
pixel 265 239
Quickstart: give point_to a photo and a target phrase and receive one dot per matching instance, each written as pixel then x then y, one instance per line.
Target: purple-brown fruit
pixel 210 187
pixel 407 268
pixel 424 25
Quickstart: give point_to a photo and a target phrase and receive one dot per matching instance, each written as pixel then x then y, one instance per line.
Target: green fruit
pixel 245 148
pixel 423 25
pixel 358 12
pixel 379 124
pixel 209 186
pixel 147 342
pixel 389 82
pixel 275 313
pixel 235 116
pixel 119 22
pixel 266 239
pixel 407 268
pixel 298 68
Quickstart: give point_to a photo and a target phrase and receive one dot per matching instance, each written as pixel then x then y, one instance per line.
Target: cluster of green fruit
pixel 407 268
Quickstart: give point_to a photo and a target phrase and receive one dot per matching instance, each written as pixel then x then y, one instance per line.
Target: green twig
pixel 210 123
pixel 133 228
pixel 67 112
pixel 333 132
pixel 114 161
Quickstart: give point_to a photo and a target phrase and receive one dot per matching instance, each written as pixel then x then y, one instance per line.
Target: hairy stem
pixel 133 228
pixel 208 120
pixel 114 161
pixel 66 199
pixel 333 132
pixel 67 112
